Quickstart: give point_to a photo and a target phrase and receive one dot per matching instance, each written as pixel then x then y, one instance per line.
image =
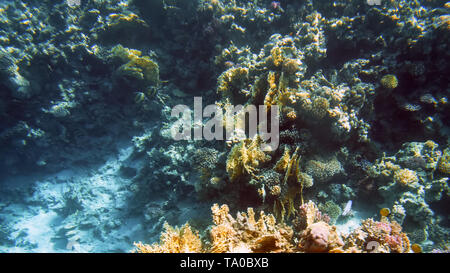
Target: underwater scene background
pixel 89 164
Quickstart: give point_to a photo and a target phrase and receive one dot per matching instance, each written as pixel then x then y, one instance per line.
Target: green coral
pixel 332 210
pixel 389 81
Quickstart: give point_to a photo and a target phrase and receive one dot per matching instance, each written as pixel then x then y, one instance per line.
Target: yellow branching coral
pixel 174 240
pixel 115 19
pixel 283 162
pixel 277 56
pixel 245 158
pixel 246 233
pixel 279 94
pixel 139 67
pixel 405 177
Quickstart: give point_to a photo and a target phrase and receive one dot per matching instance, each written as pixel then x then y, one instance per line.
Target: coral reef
pixel 310 233
pixel 362 93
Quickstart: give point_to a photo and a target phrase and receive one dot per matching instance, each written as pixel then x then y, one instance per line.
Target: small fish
pixel 385 212
pixel 416 248
pixel 348 208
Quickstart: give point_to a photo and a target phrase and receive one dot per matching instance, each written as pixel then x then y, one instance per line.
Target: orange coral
pixel 245 233
pixel 174 240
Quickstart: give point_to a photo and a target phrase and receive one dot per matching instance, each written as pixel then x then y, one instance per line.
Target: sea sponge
pixel 389 81
pixel 405 177
pixel 174 240
pixel 320 237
